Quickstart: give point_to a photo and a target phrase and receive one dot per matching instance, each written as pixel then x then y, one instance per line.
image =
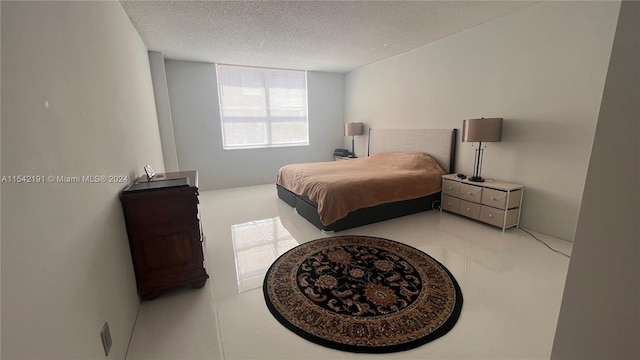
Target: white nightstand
pixel 493 202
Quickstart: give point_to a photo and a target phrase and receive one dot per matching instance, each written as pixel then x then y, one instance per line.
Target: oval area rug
pixel 362 294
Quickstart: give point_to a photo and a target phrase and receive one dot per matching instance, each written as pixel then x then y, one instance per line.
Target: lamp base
pixel 476 179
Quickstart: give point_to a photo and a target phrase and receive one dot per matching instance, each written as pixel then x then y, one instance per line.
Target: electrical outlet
pixel 105 335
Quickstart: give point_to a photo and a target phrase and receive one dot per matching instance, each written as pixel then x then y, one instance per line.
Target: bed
pixel 322 202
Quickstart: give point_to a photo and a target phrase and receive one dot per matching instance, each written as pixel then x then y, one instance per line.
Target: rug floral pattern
pixel 362 294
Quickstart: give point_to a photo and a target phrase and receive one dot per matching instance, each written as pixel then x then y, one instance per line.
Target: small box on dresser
pixel 492 202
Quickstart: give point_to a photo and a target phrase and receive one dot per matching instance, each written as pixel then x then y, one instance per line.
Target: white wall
pixel 163 109
pixel 193 95
pixel 542 70
pixel 77 100
pixel 600 313
pixel 0 187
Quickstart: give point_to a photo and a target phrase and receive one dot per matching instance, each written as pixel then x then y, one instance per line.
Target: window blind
pixel 261 107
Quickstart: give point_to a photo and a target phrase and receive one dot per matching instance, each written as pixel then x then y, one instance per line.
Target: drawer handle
pixel 449 203
pixel 491 215
pixel 450 187
pixel 492 198
pixel 468 209
pixel 469 193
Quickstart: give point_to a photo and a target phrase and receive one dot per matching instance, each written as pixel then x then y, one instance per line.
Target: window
pixel 262 107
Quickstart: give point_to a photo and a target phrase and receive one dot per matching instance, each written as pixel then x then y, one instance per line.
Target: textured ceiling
pixel 335 36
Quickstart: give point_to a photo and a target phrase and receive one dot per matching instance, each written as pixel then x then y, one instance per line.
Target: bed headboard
pixel 439 143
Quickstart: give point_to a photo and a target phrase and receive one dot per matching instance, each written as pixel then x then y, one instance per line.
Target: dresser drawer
pixel 450 203
pixel 470 193
pixel 492 215
pixel 450 187
pixel 515 199
pixel 469 209
pixel 173 206
pixel 494 198
pixel 496 217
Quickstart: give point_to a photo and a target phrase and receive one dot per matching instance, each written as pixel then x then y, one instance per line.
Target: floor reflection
pixel 256 245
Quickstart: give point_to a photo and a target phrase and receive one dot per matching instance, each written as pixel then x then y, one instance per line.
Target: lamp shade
pixel 482 130
pixel 353 129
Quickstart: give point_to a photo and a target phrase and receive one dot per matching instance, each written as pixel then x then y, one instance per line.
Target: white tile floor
pixel 512 286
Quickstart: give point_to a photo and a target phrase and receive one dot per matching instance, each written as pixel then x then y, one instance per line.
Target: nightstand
pixel 165 236
pixel 338 158
pixel 492 202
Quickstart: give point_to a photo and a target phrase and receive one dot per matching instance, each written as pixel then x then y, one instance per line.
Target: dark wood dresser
pixel 164 231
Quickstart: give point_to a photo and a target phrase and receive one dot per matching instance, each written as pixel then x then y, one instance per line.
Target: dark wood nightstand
pixel 164 231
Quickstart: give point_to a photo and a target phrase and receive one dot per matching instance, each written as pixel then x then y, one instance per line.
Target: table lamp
pixel 353 129
pixel 481 130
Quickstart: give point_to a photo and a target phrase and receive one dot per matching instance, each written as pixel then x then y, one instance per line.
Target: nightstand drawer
pixel 450 203
pixel 492 216
pixel 494 198
pixel 495 216
pixel 469 209
pixel 450 187
pixel 470 192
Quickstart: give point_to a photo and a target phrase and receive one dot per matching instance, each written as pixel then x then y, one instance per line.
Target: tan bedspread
pixel 340 187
